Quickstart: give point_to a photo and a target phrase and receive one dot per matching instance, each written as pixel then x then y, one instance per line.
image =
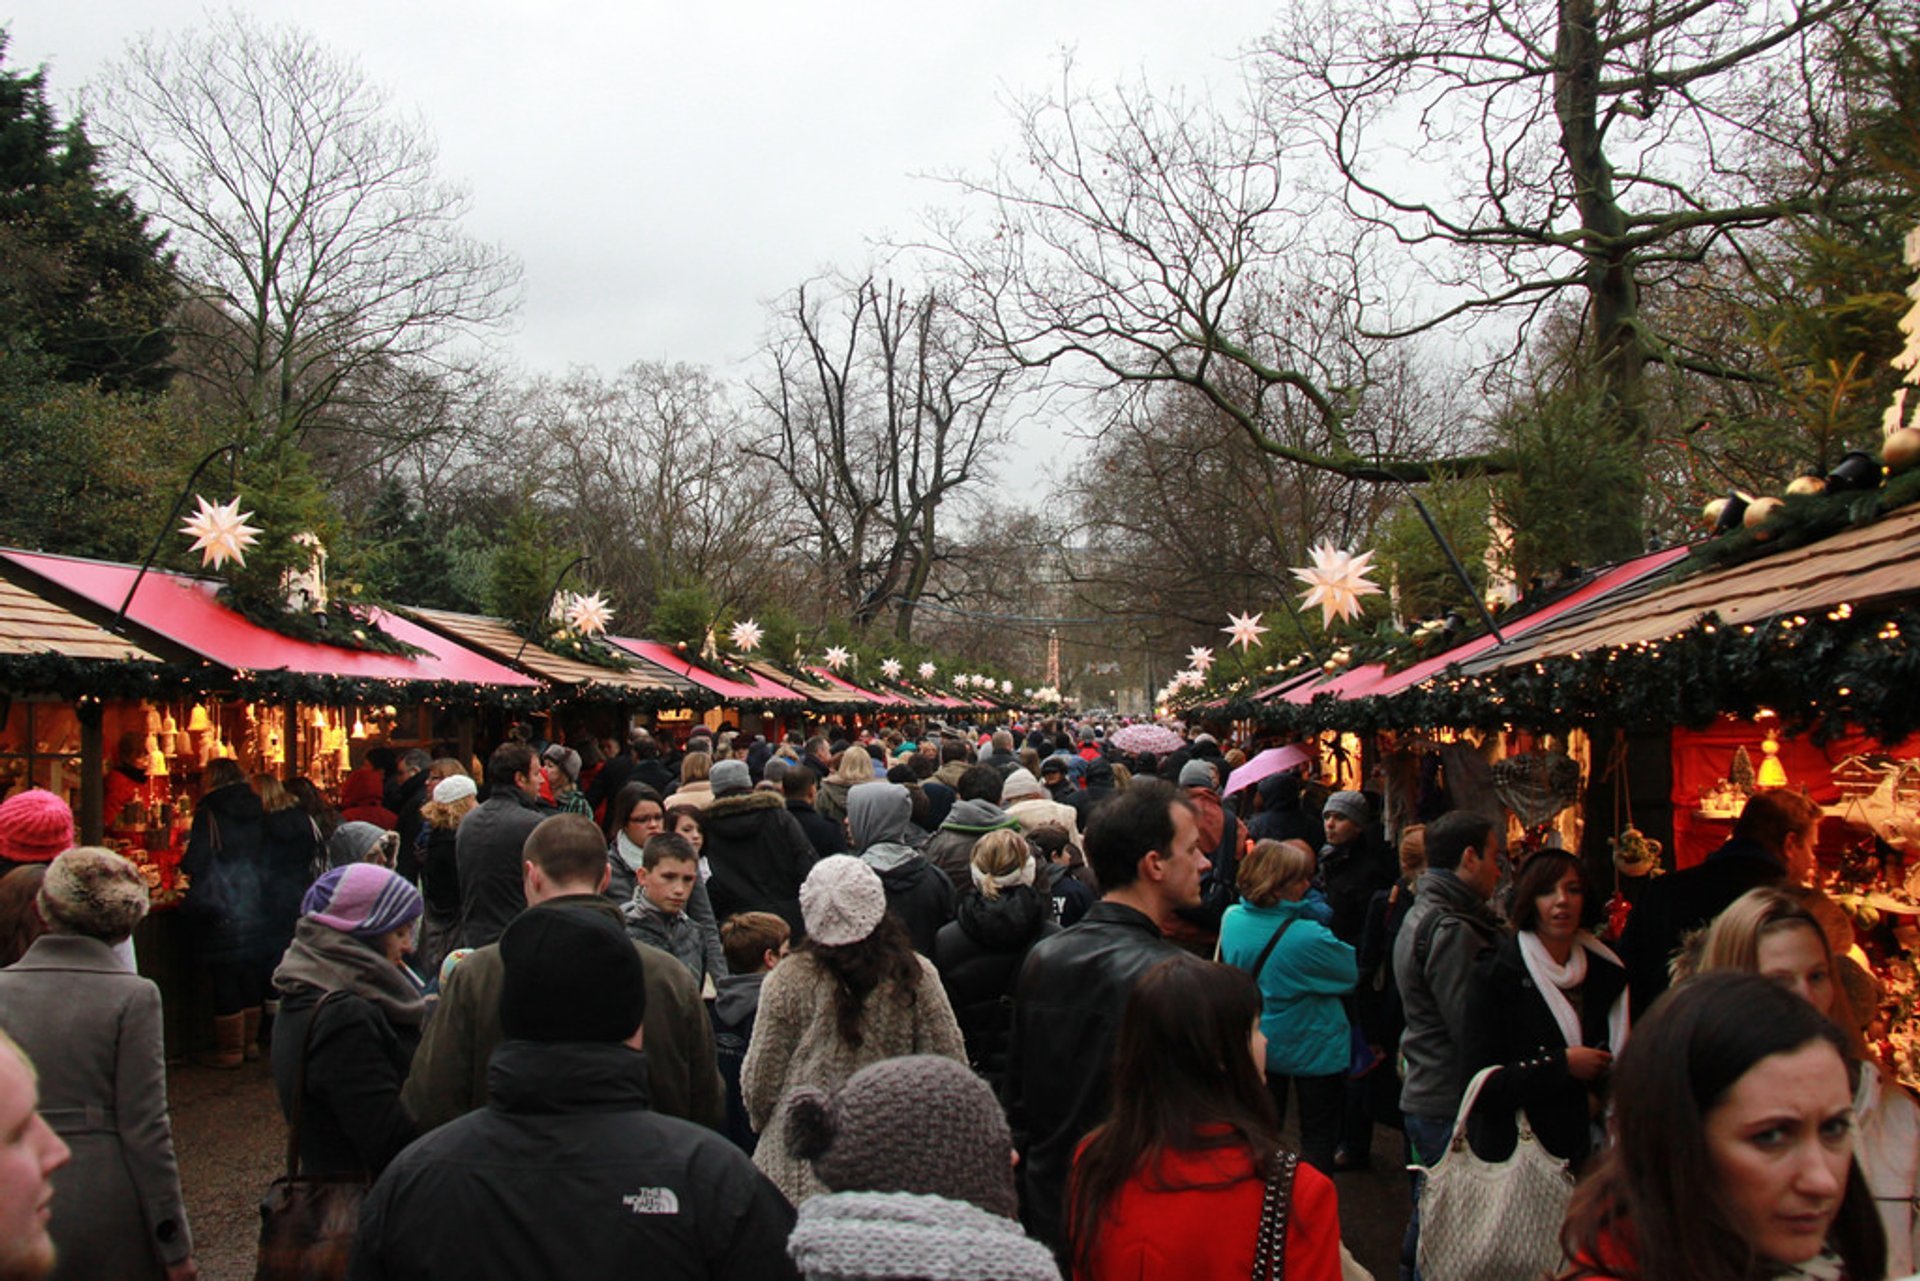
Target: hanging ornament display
pixel 837 657
pixel 745 636
pixel 589 615
pixel 1244 629
pixel 1338 580
pixel 306 588
pixel 890 668
pixel 1200 658
pixel 220 532
pixel 926 671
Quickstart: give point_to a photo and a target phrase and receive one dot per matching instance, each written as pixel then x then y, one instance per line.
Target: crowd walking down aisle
pixel 928 1001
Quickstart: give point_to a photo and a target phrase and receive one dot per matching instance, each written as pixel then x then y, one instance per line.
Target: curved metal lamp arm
pixel 232 451
pixel 558 579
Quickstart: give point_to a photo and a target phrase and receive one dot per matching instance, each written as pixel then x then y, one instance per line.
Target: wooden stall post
pixel 93 780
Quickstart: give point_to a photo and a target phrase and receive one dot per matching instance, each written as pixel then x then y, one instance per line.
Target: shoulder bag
pixel 1492 1220
pixel 308 1221
pixel 1270 1247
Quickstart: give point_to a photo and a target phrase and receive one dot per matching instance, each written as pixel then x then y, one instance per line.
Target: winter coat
pixel 735 1005
pixel 407 800
pixel 289 849
pixel 440 873
pixel 1067 892
pixel 449 1076
pixel 874 1235
pixel 1433 966
pixel 1351 875
pixel 830 799
pixel 1301 985
pixel 940 799
pixel 93 1032
pixel 1066 1019
pixel 352 1121
pixel 621 884
pixel 951 848
pixel 1670 907
pixel 227 894
pixel 566 1173
pixel 758 854
pixel 675 933
pixel 363 799
pixel 796 1041
pixel 1509 1026
pixel 979 955
pixel 697 794
pixel 1282 817
pixel 1034 811
pixel 487 848
pixel 828 837
pixel 1379 1003
pixel 1196 1213
pixel 878 818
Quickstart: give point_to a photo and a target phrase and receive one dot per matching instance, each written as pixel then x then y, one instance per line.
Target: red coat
pixel 1207 1233
pixel 362 799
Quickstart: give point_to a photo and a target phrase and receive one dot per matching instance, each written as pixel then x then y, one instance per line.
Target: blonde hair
pixel 1413 849
pixel 999 853
pixel 855 766
pixel 1271 866
pixel 446 815
pixel 1732 942
pixel 695 766
pixel 1122 777
pixel 273 794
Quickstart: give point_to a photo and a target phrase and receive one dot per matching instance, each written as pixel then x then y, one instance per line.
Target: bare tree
pixel 306 213
pixel 880 407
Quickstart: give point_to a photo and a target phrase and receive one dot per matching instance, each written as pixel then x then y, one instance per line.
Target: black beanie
pixel 572 975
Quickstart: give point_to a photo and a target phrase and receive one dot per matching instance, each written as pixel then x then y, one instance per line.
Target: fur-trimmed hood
pixel 744 802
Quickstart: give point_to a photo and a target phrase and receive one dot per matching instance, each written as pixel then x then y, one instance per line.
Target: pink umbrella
pixel 1265 765
pixel 1157 739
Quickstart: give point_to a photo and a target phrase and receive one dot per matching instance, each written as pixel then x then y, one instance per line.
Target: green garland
pixel 1803 519
pixel 1823 674
pixel 75 678
pixel 341 626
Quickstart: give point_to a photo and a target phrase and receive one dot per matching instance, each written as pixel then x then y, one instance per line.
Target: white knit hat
pixel 841 901
pixel 1020 784
pixel 454 787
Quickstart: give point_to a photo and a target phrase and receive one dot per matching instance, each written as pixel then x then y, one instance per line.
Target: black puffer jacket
pixel 352 1121
pixel 567 1174
pixel 226 898
pixel 979 955
pixel 290 845
pixel 758 855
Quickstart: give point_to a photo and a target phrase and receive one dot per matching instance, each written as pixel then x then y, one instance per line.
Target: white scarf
pixel 1022 877
pixel 630 854
pixel 1553 980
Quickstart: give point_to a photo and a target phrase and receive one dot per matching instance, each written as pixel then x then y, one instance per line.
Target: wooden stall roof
pixel 497 639
pixel 1856 566
pixel 30 624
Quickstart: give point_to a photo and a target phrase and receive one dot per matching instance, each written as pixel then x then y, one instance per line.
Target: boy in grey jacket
pixel 657 913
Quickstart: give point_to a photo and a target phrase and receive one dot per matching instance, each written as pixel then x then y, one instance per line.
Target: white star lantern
pixel 589 615
pixel 1244 629
pixel 890 669
pixel 220 533
pixel 837 657
pixel 1338 579
pixel 746 635
pixel 1200 658
pixel 926 671
pixel 1006 687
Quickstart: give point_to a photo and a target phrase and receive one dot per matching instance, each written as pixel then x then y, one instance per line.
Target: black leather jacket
pixel 1066 1019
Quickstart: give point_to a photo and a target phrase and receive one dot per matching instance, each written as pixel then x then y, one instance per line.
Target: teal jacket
pixel 1300 985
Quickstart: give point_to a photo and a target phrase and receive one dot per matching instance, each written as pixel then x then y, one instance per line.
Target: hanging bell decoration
pixel 1857 472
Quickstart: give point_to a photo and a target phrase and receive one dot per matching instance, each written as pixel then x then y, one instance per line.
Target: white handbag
pixel 1492 1220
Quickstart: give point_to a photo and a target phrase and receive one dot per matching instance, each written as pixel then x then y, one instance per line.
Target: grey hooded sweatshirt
pixel 878 816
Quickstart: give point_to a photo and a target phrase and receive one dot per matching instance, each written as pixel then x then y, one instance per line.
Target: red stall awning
pixel 756 690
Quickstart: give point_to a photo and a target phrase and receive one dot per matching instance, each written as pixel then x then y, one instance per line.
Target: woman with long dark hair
pixel 1180 1171
pixel 1733 1148
pixel 635 817
pixel 1548 1007
pixel 853 993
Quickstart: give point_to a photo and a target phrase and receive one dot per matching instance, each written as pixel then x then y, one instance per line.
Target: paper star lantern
pixel 891 669
pixel 1245 629
pixel 589 615
pixel 746 635
pixel 220 533
pixel 1338 579
pixel 837 657
pixel 1200 658
pixel 1006 687
pixel 926 671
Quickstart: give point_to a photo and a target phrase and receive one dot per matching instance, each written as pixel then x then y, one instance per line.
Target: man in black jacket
pixel 566 1172
pixel 758 851
pixel 488 843
pixel 1145 847
pixel 1772 843
pixel 799 785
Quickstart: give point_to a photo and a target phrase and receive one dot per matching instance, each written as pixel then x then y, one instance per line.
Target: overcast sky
pixel 662 171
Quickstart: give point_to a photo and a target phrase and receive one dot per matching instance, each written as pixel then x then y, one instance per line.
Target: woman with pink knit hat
pixel 350 1016
pixel 35 827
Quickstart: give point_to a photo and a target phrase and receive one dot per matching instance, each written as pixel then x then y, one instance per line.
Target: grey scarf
pixel 852 1236
pixel 330 961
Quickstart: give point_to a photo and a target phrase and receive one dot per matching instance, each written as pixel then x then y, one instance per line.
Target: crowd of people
pixel 939 1001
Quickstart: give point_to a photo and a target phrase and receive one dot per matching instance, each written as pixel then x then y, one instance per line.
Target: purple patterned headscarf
pixel 363 900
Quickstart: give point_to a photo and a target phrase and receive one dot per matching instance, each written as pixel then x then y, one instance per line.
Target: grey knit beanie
pixel 1351 805
pixel 1198 774
pixel 922 1124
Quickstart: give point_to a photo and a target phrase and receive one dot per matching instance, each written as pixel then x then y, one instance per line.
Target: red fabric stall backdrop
pixel 1701 758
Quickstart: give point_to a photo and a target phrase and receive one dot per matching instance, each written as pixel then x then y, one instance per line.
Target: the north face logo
pixel 652 1201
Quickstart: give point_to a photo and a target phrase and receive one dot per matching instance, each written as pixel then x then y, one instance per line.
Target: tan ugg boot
pixel 229 1047
pixel 250 1036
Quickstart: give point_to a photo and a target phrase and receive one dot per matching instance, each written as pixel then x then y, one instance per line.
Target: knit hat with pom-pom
pixel 921 1124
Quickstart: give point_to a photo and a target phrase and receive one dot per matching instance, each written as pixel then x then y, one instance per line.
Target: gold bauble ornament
pixel 1713 511
pixel 1902 449
pixel 1759 511
pixel 1805 486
